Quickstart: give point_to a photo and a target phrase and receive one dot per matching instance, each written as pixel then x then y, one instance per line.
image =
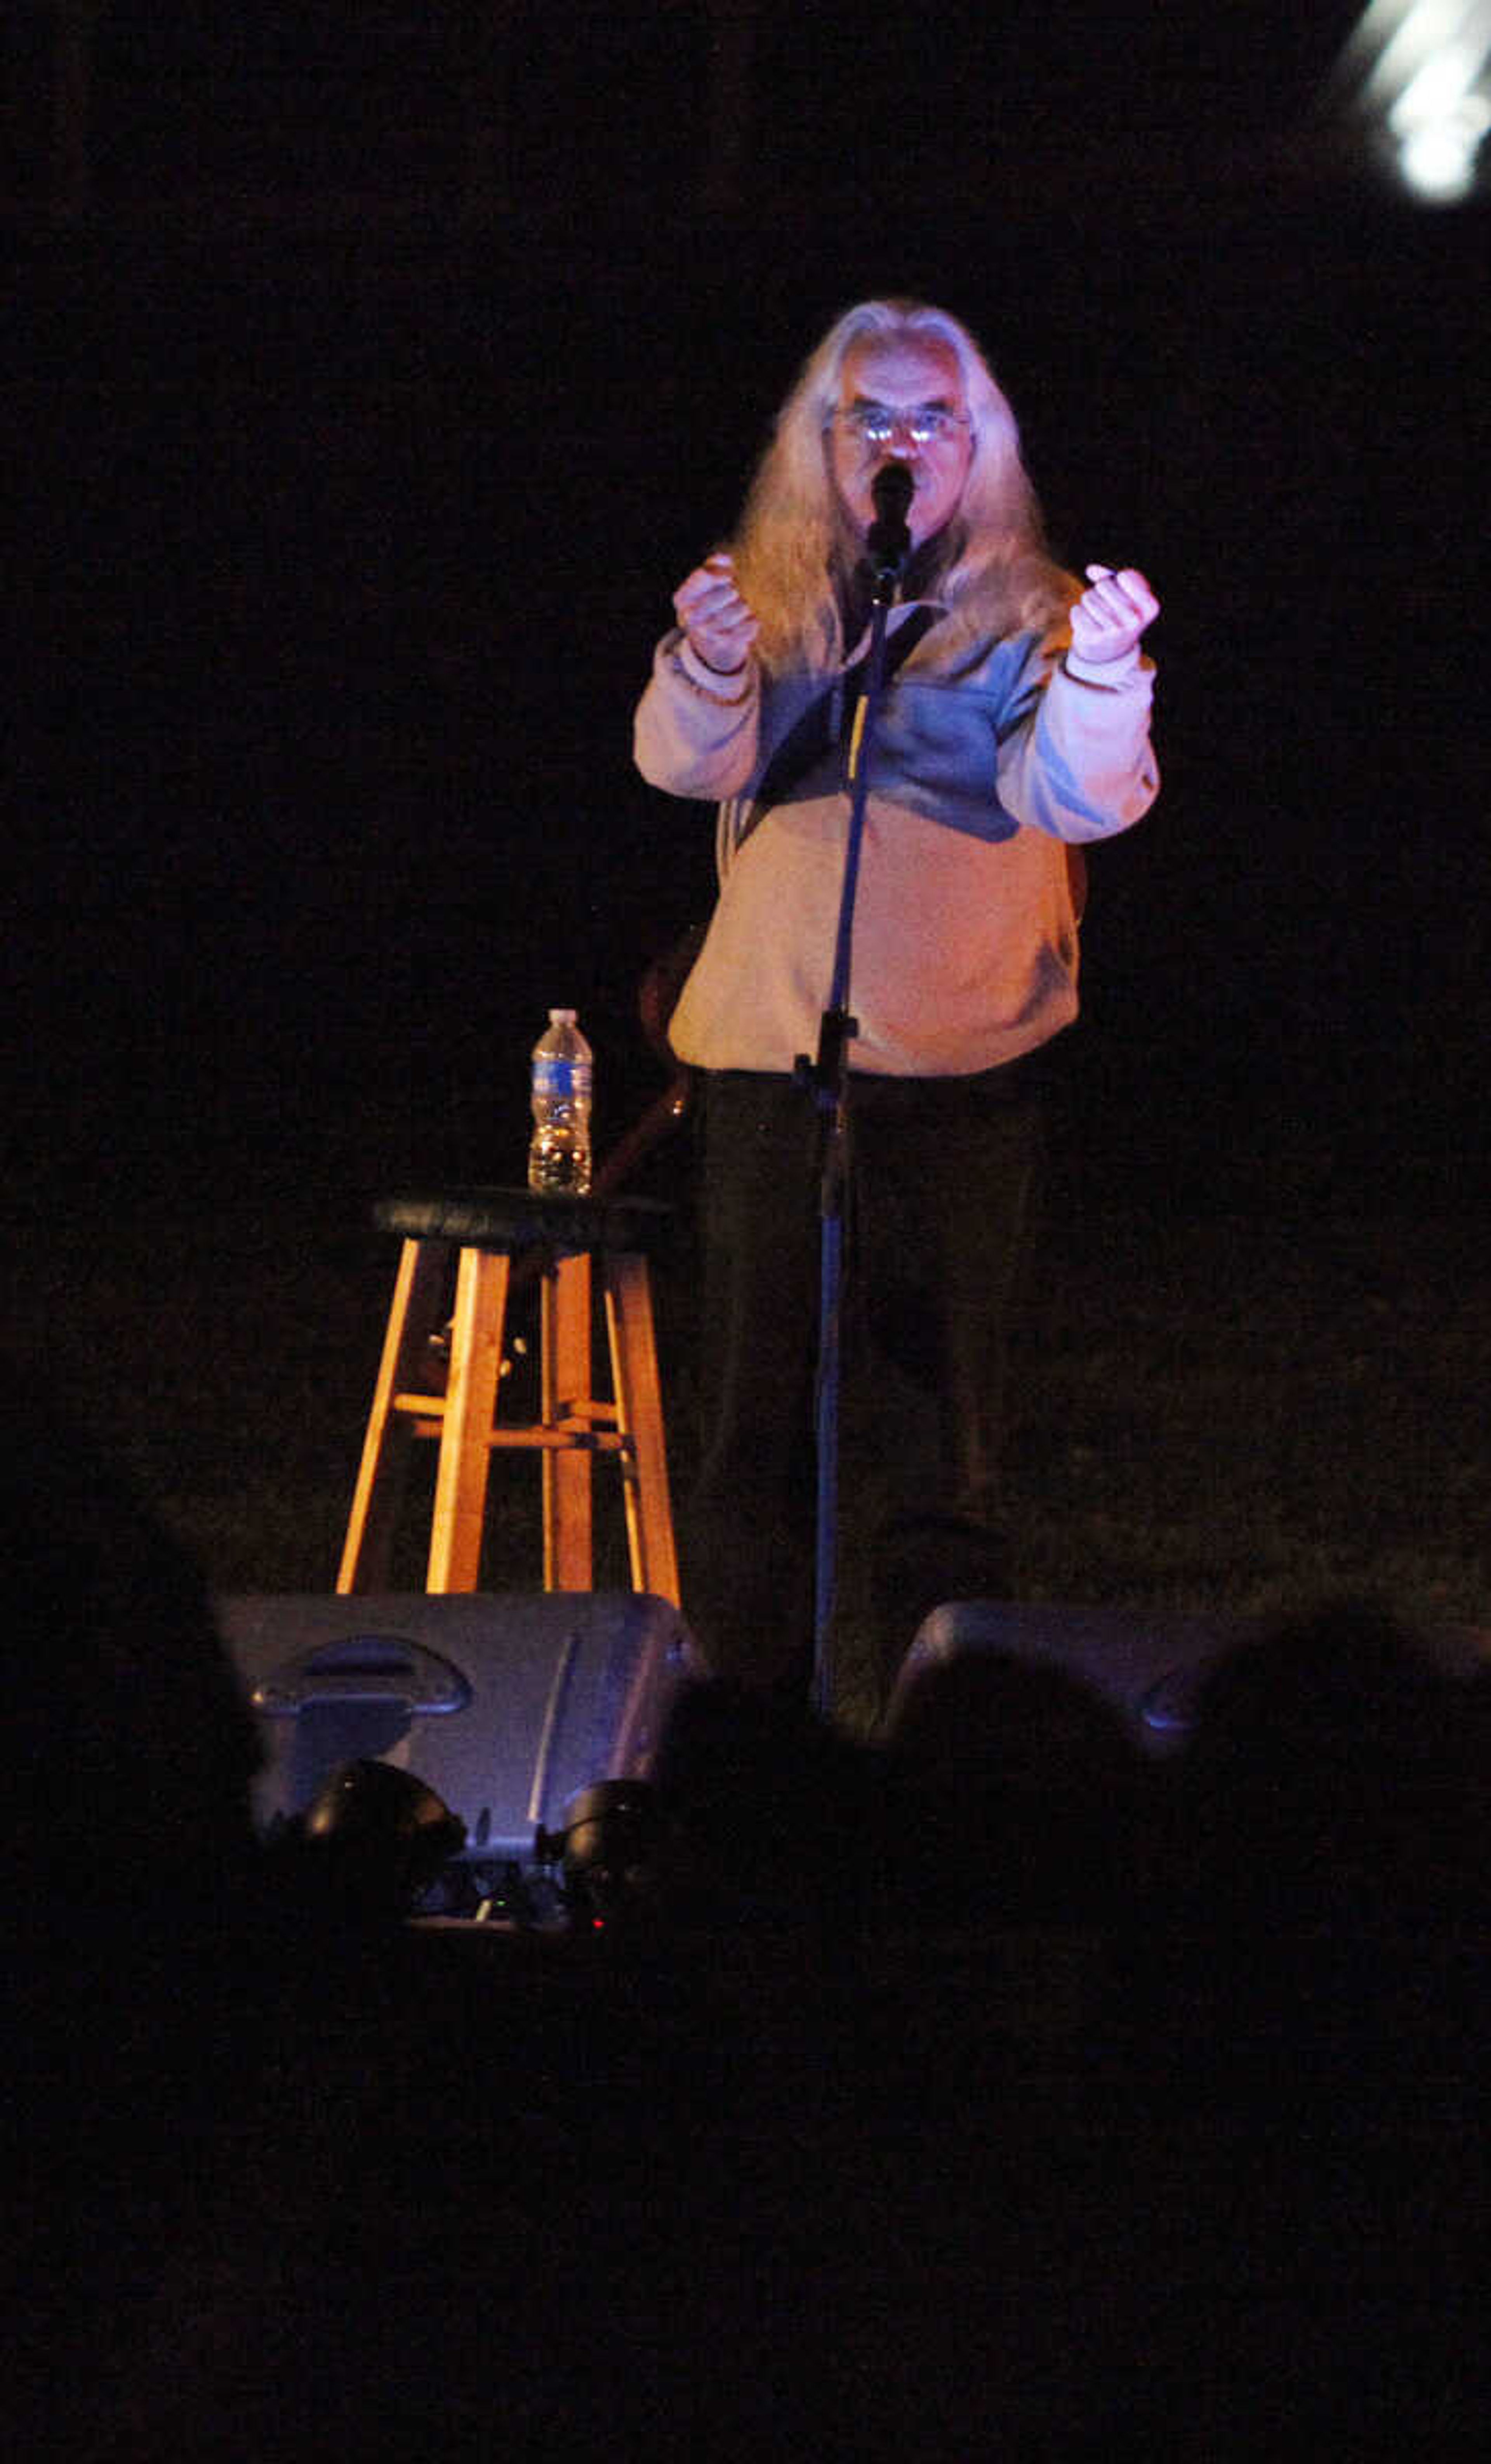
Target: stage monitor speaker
pixel 507 1706
pixel 1149 1667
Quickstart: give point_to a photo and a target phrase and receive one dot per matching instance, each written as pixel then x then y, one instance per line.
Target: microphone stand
pixel 828 1076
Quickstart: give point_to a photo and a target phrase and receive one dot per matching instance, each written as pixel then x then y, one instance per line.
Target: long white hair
pixel 995 576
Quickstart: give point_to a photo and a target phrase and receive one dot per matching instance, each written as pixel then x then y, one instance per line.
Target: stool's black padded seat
pixel 516 1220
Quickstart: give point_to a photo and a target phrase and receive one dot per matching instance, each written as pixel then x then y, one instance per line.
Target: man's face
pixel 898 379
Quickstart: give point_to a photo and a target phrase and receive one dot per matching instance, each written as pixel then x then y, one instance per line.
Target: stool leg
pixel 639 1409
pixel 418 1292
pixel 568 1530
pixel 481 1284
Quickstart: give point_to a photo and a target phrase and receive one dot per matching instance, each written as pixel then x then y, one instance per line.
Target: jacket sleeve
pixel 692 737
pixel 1075 758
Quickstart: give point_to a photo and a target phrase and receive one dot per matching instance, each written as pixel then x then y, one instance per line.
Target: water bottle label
pixel 561 1078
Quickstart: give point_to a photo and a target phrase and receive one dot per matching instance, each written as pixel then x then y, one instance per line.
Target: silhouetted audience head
pixel 769 1814
pixel 130 1750
pixel 1332 1777
pixel 1015 1796
pixel 130 1859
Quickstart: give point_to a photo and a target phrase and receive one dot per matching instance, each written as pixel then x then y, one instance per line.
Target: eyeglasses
pixel 873 424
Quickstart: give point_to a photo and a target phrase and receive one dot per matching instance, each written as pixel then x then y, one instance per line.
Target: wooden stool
pixel 490 1230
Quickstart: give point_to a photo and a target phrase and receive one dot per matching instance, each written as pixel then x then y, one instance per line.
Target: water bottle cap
pixel 562 1017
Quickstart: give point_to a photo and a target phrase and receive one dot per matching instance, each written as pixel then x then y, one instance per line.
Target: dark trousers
pixel 940 1190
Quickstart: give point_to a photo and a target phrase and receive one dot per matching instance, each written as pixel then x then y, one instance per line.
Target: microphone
pixel 889 541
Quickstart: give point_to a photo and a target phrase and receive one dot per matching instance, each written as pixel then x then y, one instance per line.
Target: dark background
pixel 379 371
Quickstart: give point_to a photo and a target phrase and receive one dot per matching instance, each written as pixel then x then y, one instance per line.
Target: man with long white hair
pixel 1014 727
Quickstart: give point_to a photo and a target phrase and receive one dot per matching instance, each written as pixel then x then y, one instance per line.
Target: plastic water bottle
pixel 558 1152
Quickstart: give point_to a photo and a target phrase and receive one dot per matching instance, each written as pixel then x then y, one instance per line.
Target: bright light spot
pixel 1439 160
pixel 1438 121
pixel 1438 91
pixel 1406 34
pixel 1421 74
